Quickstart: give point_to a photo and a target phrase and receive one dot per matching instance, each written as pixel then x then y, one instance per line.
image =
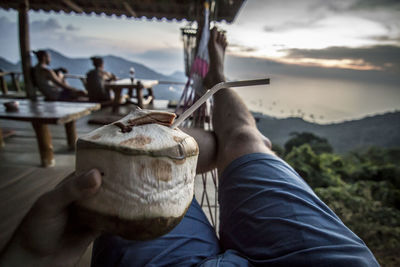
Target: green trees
pixel 361 187
pixel 318 144
pixel 318 170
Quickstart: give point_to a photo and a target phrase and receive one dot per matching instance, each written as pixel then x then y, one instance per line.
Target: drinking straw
pixel 212 91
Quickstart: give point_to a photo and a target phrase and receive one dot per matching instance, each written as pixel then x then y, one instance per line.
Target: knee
pixel 243 140
pixel 242 135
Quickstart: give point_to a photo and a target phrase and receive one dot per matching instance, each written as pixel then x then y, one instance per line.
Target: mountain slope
pixel 380 130
pixel 8 66
pixel 114 64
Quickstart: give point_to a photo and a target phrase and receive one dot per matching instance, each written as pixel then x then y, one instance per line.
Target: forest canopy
pixel 362 187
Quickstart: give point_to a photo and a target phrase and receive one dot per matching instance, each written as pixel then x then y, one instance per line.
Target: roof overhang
pixel 190 10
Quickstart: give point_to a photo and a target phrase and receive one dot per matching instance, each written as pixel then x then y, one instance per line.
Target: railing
pixel 171 82
pixel 15 81
pixel 76 76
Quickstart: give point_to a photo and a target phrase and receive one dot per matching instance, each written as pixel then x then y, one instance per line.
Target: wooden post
pixel 24 46
pixel 139 94
pixel 117 99
pixel 15 81
pixel 70 130
pixel 43 137
pixel 3 85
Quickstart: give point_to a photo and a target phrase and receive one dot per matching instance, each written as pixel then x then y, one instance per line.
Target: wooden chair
pixel 141 101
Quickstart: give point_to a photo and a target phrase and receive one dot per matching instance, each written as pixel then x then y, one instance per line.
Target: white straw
pixel 212 91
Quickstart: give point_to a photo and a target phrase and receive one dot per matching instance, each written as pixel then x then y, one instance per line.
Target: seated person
pixel 95 81
pixel 51 85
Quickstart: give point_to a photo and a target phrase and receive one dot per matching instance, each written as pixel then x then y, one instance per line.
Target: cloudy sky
pixel 314 45
pixel 341 33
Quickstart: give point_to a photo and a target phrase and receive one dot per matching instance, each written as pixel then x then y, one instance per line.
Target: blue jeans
pixel 268 217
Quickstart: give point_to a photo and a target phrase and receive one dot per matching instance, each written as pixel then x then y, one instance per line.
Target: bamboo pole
pixel 24 46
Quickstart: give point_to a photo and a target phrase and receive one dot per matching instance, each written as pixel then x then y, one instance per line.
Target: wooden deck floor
pixel 22 180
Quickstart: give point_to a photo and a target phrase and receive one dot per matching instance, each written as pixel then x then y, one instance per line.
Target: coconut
pixel 148 172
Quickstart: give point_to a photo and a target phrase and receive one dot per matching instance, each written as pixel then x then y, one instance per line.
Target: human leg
pixel 268 214
pixel 272 217
pixel 233 124
pixel 207 143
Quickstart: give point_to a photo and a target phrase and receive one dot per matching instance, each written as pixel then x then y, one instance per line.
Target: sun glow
pixel 355 64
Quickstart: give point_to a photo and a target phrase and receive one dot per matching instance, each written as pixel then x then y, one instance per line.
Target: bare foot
pixel 216 49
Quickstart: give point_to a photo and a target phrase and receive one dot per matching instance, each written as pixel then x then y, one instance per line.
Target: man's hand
pixel 49 235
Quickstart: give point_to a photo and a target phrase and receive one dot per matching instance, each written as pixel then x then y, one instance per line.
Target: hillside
pixel 380 130
pixel 8 66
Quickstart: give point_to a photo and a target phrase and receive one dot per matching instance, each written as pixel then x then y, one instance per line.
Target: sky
pixel 334 60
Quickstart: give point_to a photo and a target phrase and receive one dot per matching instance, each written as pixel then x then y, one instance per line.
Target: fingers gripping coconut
pixel 148 175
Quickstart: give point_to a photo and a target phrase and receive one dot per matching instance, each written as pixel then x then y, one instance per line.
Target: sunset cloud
pixel 380 57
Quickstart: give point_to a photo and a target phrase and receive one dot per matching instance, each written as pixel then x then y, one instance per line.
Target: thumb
pixel 73 189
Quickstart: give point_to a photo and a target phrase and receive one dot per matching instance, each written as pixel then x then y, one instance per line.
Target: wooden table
pixel 42 113
pixel 137 85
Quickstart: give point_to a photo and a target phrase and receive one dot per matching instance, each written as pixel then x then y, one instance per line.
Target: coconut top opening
pixel 142 132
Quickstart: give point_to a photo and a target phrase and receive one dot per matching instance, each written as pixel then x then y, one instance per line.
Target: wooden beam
pixel 24 47
pixel 129 9
pixel 73 6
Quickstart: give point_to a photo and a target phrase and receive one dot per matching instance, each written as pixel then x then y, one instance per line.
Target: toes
pixel 213 34
pixel 217 36
pixel 224 44
pixel 224 41
pixel 220 37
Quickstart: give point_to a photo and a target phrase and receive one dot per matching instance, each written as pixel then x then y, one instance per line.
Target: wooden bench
pixel 42 113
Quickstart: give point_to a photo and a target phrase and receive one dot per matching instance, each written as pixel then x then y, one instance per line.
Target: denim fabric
pixel 269 216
